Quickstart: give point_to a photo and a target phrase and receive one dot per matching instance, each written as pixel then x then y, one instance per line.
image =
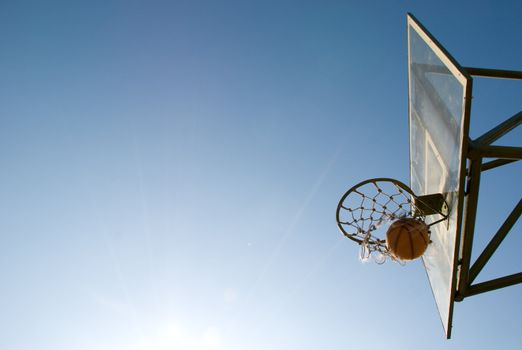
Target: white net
pixel 366 211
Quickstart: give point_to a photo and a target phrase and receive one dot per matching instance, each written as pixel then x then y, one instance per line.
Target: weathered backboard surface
pixel 439 97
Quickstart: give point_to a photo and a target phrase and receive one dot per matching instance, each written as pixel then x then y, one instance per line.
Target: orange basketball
pixel 407 238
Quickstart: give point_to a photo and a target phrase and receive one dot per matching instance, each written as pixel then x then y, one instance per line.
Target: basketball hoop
pixel 366 211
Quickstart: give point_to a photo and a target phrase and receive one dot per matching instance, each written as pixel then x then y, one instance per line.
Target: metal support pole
pixel 470 213
pixel 479 149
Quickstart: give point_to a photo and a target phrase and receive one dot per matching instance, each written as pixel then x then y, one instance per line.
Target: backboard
pixel 439 105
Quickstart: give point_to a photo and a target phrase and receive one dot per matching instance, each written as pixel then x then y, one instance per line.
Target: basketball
pixel 407 238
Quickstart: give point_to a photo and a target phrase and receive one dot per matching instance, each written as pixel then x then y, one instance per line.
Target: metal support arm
pixel 485 151
pixel 496 163
pixel 494 73
pixel 497 283
pixel 500 130
pixel 495 242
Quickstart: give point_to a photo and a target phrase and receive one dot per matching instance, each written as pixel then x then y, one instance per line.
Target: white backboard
pixel 439 94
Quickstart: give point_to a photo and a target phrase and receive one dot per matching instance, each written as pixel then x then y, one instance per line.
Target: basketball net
pixel 366 211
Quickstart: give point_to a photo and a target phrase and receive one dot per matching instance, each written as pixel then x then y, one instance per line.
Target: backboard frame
pixel 472 163
pixel 442 277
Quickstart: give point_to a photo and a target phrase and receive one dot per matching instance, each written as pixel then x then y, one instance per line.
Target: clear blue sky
pixel 170 172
